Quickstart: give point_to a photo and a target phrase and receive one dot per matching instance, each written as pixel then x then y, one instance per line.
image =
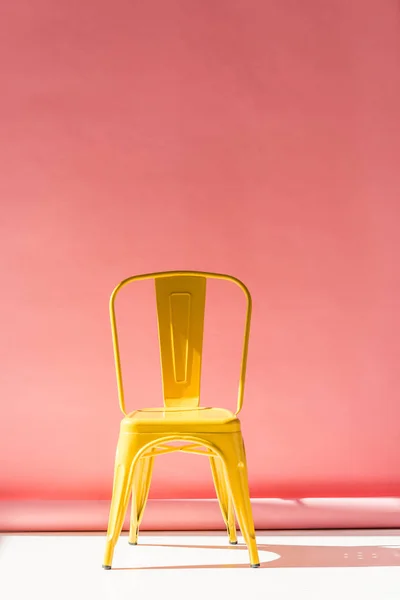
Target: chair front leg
pixel 234 459
pixel 126 457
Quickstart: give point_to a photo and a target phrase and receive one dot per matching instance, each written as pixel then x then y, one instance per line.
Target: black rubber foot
pixel 106 567
pixel 233 543
pixel 255 566
pixel 132 543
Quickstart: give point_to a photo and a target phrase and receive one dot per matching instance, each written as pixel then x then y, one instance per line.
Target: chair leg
pixel 224 497
pixel 127 449
pixel 140 493
pixel 234 459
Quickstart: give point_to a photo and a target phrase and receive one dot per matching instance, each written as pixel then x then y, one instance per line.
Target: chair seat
pixel 181 420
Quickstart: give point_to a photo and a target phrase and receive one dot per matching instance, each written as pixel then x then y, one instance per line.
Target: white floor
pixel 311 565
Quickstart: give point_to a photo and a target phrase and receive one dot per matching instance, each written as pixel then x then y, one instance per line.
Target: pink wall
pixel 254 137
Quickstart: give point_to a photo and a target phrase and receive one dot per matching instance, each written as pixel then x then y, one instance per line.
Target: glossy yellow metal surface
pixel 181 425
pixel 184 421
pixel 180 311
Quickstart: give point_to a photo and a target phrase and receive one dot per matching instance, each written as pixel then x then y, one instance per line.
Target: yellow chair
pixel 213 432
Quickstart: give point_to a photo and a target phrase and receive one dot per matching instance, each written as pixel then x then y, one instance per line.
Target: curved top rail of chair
pixel 160 274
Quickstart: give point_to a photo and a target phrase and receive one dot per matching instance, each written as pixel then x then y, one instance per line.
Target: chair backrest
pixel 180 301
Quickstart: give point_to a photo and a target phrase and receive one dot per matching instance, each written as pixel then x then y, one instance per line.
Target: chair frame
pixel 136 451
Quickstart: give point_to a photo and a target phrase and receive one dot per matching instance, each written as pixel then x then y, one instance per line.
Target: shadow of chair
pixel 293 556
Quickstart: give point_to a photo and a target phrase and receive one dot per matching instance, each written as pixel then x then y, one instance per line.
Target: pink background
pixel 255 137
